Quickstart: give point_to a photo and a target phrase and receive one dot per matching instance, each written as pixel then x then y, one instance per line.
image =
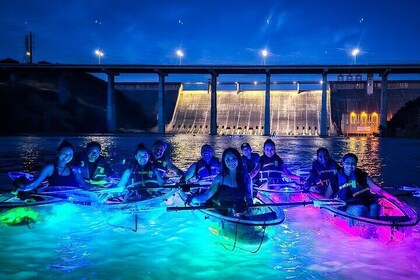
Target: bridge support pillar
pixel 384 105
pixel 238 87
pixel 267 116
pixel 324 132
pixel 63 89
pixel 110 105
pixel 161 104
pixel 213 104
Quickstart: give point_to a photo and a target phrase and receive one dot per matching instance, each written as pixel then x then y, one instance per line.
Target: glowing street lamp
pixel 99 54
pixel 354 53
pixel 264 54
pixel 180 55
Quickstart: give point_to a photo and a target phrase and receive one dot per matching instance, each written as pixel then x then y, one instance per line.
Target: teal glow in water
pixel 80 242
pixel 76 242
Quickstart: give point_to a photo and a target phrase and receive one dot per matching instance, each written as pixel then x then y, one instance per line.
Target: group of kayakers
pixel 231 178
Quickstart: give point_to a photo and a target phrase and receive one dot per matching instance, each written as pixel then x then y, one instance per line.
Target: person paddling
pixel 93 167
pixel 140 175
pixel 60 172
pixel 206 167
pixel 273 167
pixel 231 188
pixel 353 185
pixel 323 169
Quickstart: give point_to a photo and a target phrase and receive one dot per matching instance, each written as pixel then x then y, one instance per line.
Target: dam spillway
pixel 291 112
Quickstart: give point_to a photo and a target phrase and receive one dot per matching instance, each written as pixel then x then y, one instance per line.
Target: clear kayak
pixel 394 223
pixel 9 200
pixel 252 228
pixel 125 212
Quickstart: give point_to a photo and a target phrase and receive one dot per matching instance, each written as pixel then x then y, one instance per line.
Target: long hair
pixel 241 173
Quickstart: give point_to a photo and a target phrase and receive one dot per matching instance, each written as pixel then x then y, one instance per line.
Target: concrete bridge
pixel 215 71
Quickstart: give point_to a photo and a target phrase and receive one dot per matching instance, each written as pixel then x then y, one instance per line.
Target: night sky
pixel 213 32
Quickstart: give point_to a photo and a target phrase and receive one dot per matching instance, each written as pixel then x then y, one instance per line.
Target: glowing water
pixel 77 242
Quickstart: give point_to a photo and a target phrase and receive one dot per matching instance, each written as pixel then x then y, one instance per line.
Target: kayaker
pixel 272 166
pixel 323 169
pixel 60 172
pixel 93 166
pixel 231 188
pixel 353 185
pixel 251 160
pixel 140 175
pixel 162 162
pixel 206 167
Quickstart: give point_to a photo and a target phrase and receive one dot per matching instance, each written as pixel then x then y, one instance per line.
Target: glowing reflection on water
pixel 77 242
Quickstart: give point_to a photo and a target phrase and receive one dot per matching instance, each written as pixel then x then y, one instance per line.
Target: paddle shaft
pixel 180 208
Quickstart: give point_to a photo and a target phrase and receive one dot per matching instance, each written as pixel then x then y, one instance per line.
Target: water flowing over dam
pixel 291 113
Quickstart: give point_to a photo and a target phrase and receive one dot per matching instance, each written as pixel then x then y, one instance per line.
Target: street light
pixel 180 55
pixel 99 54
pixel 354 53
pixel 264 54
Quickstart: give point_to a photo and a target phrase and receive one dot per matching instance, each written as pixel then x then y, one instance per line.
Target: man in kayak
pixel 273 167
pixel 232 187
pixel 353 186
pixel 60 173
pixel 162 162
pixel 206 167
pixel 93 167
pixel 251 160
pixel 323 169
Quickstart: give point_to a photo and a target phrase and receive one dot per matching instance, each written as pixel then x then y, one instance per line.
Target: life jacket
pixel 161 165
pixel 271 168
pixel 203 170
pixel 354 188
pixel 322 175
pixel 93 170
pixel 57 179
pixel 250 163
pixel 143 176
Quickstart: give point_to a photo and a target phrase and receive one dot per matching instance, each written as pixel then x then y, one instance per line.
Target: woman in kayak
pixel 59 173
pixel 353 185
pixel 140 175
pixel 272 166
pixel 232 188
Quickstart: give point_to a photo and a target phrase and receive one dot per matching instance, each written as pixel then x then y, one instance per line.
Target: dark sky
pixel 213 32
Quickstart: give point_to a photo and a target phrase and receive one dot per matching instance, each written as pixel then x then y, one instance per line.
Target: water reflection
pixel 381 158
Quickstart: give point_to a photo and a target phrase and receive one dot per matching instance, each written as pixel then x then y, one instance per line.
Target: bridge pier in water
pixel 110 107
pixel 161 104
pixel 324 132
pixel 267 129
pixel 213 104
pixel 384 105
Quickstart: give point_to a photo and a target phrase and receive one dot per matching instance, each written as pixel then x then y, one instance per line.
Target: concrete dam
pixel 291 113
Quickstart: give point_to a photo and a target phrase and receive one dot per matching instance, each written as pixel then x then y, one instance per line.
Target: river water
pixel 82 242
